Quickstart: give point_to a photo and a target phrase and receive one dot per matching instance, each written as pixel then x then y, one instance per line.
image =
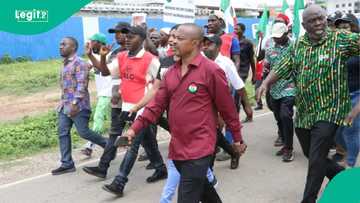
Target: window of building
pixel 337 6
pixel 349 4
pixel 350 11
pixel 343 5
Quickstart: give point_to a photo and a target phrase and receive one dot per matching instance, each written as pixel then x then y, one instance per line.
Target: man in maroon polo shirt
pixel 192 91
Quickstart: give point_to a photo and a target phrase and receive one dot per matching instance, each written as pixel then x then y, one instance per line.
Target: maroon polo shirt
pixel 192 102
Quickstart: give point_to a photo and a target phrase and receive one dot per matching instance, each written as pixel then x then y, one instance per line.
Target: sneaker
pixel 86 152
pixel 62 170
pixel 278 142
pixel 114 188
pixel 214 183
pixel 258 108
pixel 159 174
pixel 95 171
pixel 223 156
pixel 143 157
pixel 150 166
pixel 280 152
pixel 288 156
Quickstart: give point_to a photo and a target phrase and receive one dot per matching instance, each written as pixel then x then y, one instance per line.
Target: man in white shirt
pixel 211 49
pixel 103 86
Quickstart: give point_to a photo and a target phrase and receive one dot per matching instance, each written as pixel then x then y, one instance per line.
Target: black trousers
pixel 316 143
pixel 194 185
pixel 270 104
pixel 283 110
pixel 116 128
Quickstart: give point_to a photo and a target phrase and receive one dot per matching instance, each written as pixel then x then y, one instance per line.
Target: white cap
pixel 278 30
pixel 166 30
pixel 219 14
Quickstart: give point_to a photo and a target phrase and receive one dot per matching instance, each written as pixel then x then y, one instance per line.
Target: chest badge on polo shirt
pixel 192 88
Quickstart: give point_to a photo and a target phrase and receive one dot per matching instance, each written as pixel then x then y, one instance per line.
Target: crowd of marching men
pixel 189 80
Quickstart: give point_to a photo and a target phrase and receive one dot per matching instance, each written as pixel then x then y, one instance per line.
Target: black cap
pixel 213 38
pixel 119 27
pixel 136 30
pixel 348 18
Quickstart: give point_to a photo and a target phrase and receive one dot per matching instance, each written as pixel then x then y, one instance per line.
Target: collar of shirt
pixel 306 40
pixel 194 63
pixel 219 58
pixel 140 54
pixel 66 61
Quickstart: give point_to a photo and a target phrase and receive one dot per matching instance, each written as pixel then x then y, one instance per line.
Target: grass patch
pixel 35 134
pixel 29 77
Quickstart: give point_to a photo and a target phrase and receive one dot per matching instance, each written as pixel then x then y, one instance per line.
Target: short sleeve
pixel 153 69
pixel 114 68
pixel 235 46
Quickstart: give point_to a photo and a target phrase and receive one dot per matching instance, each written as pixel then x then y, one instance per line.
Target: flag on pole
pixel 262 26
pixel 229 12
pixel 285 6
pixel 298 8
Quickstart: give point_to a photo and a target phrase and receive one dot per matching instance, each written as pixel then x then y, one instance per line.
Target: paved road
pixel 261 178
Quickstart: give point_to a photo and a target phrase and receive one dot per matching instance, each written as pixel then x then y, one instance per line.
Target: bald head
pixel 192 31
pixel 314 22
pixel 313 9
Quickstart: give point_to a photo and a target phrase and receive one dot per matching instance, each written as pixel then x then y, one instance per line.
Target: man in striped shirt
pixel 317 64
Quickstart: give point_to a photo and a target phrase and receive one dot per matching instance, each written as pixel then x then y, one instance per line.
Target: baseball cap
pixel 220 15
pixel 278 30
pixel 349 18
pixel 100 37
pixel 137 30
pixel 213 38
pixel 119 27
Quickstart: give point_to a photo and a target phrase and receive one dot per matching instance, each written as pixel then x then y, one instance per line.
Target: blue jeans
pixel 349 137
pixel 81 121
pixel 173 180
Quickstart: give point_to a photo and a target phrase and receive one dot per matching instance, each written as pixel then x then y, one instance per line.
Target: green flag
pixel 299 5
pixel 261 29
pixel 285 6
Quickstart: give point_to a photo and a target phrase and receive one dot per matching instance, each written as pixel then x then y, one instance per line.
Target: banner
pixel 179 11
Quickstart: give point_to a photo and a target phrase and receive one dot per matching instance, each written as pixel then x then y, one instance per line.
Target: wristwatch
pixel 74 102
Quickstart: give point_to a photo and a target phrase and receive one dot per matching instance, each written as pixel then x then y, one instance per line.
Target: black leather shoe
pixel 115 189
pixel 62 170
pixel 159 174
pixel 95 171
pixel 150 166
pixel 234 164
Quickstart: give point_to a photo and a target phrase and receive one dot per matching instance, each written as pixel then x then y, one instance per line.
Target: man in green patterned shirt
pixel 281 96
pixel 316 62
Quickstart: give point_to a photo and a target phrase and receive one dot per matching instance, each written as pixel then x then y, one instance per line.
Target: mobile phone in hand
pixel 121 141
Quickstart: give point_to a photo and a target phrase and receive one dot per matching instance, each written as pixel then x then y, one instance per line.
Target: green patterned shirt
pixel 320 77
pixel 283 87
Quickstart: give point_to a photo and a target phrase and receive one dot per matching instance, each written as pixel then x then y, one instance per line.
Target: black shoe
pixel 258 108
pixel 234 164
pixel 86 152
pixel 280 152
pixel 62 170
pixel 150 166
pixel 288 155
pixel 115 189
pixel 95 171
pixel 143 157
pixel 159 174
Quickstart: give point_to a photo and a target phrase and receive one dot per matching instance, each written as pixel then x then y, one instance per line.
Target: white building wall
pixel 346 6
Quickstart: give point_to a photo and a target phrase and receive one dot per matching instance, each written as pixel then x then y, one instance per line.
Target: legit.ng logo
pixel 32 16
